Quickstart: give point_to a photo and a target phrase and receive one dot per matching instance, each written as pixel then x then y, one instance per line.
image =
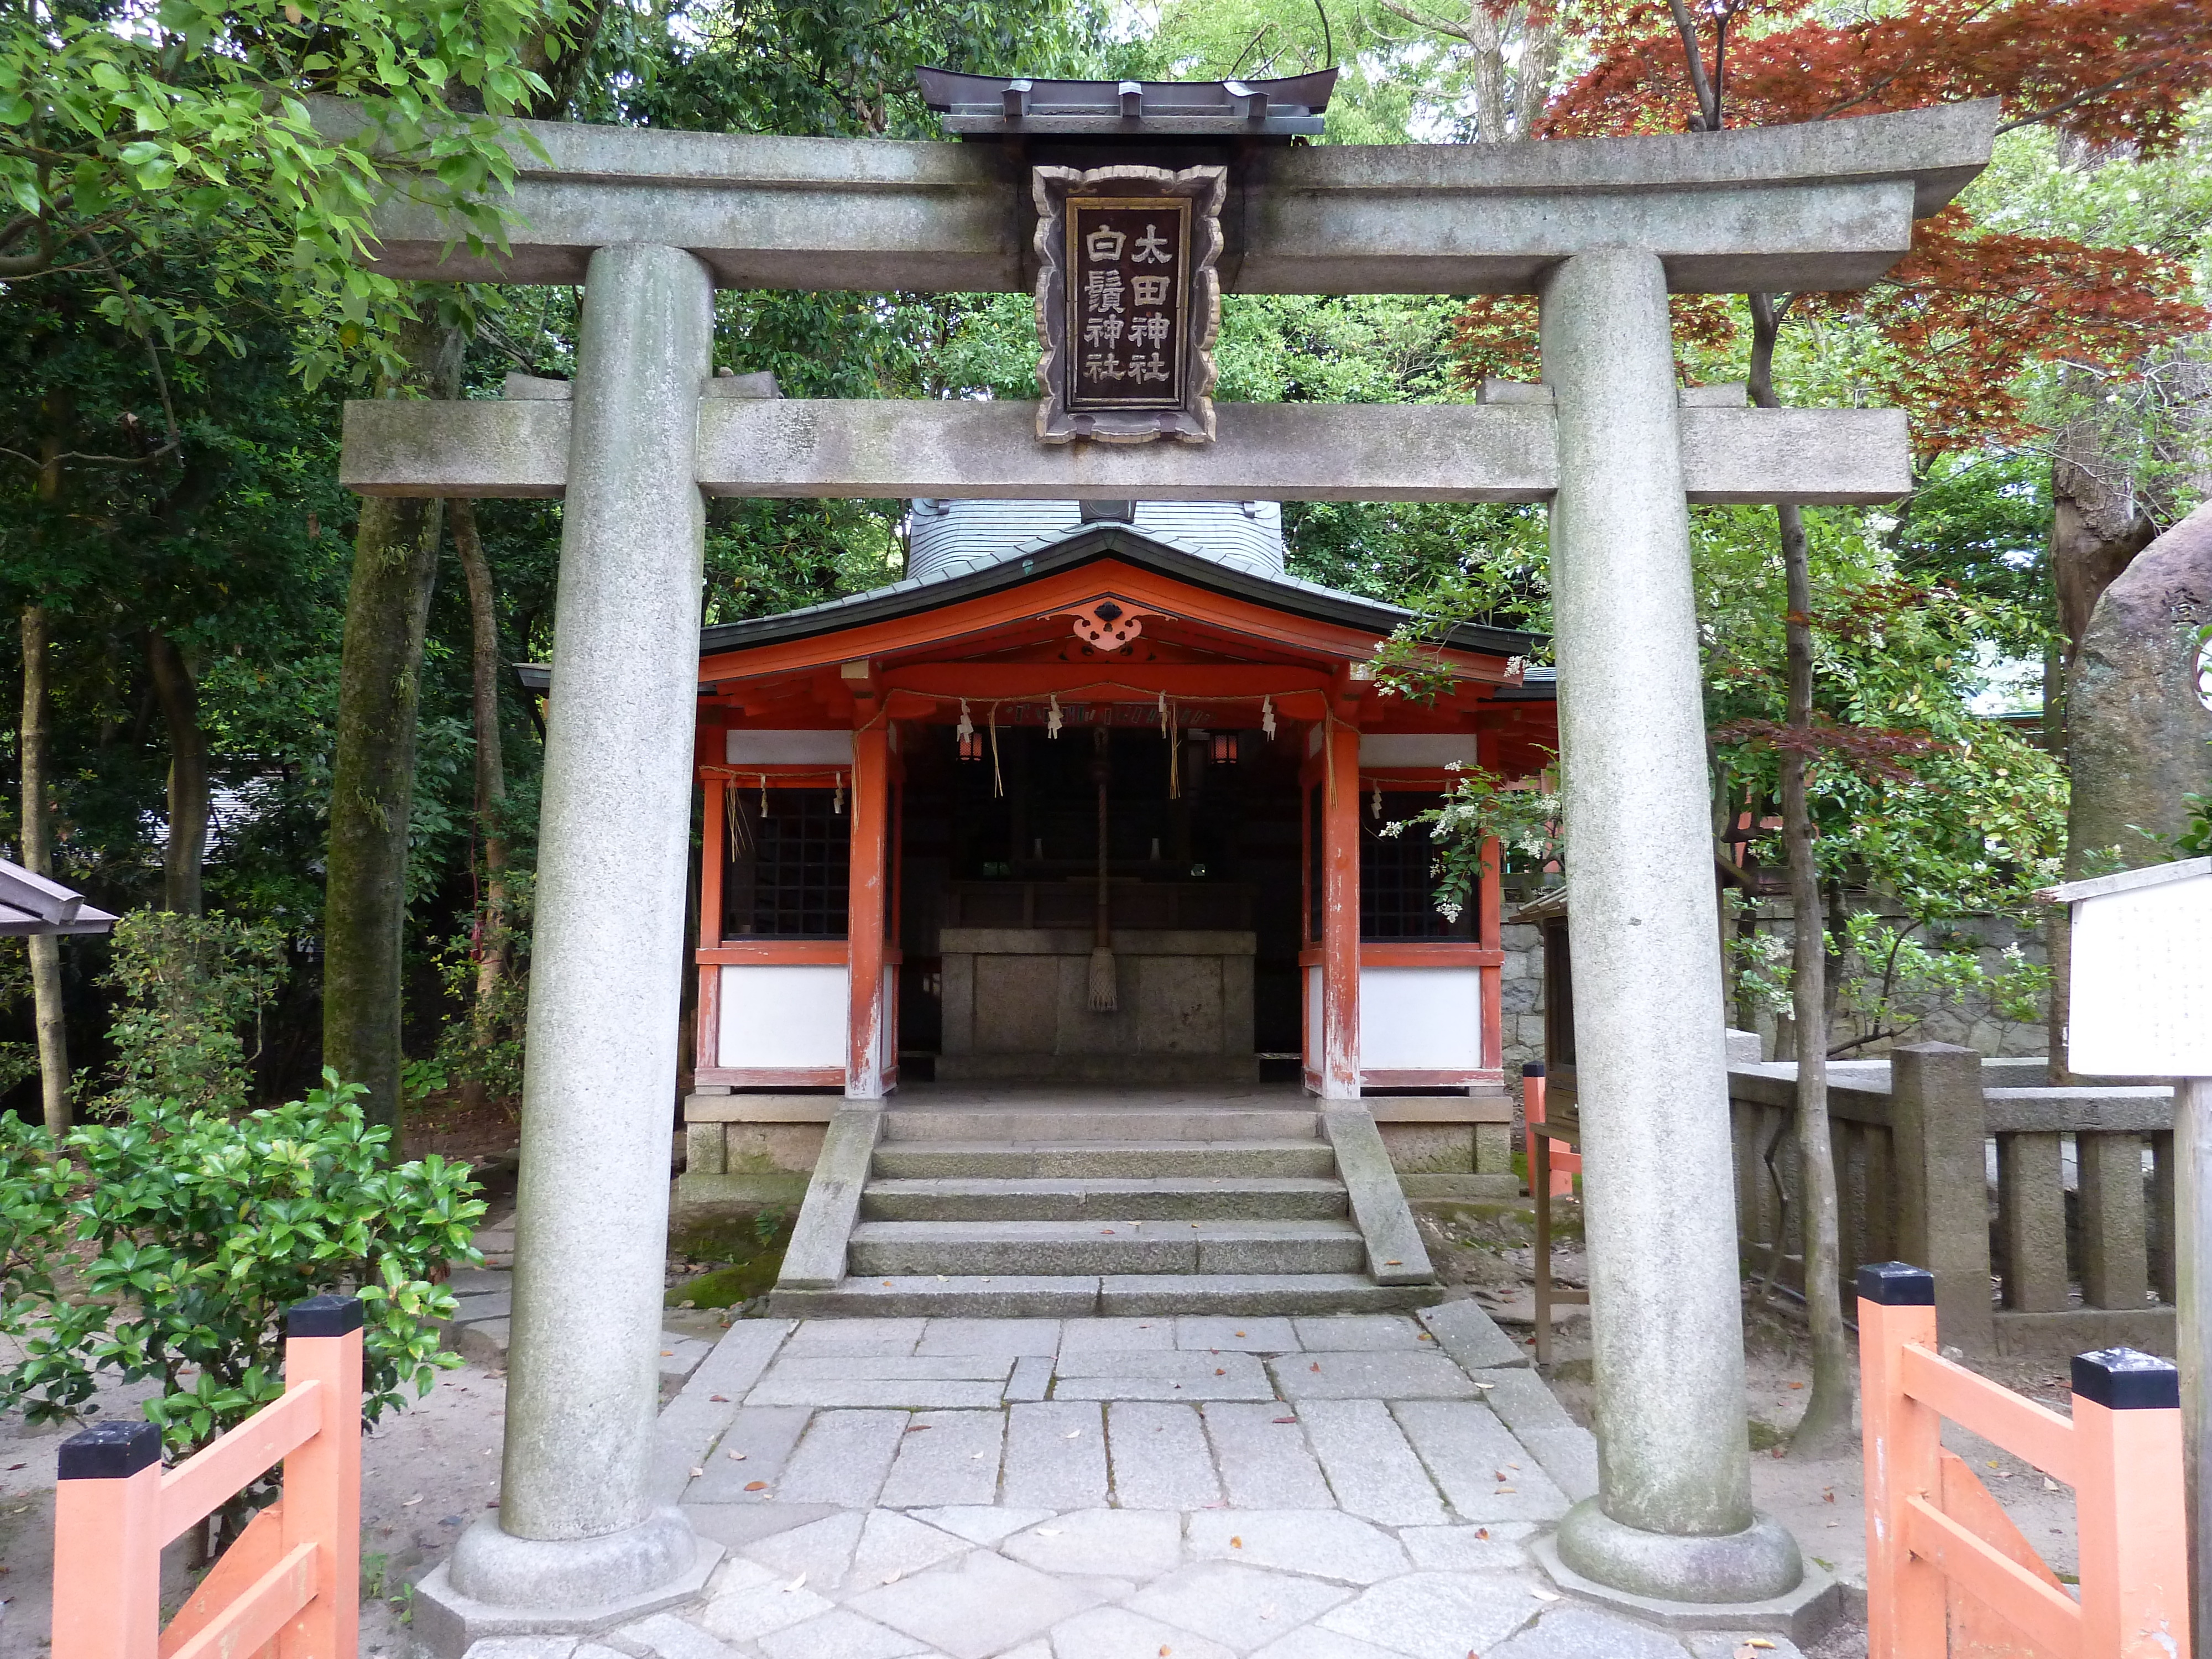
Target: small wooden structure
pixel 903 819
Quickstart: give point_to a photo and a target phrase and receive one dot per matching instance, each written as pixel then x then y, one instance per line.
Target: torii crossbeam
pixel 1601 230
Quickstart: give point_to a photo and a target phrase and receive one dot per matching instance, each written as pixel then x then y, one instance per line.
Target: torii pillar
pixel 1674 1517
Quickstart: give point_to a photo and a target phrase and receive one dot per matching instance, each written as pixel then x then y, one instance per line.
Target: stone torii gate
pixel 1601 230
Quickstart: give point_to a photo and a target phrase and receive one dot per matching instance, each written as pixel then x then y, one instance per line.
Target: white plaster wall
pixel 1418 1018
pixel 781 1015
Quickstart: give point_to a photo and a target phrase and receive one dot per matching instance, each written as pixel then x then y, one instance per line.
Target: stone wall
pixel 1971 1024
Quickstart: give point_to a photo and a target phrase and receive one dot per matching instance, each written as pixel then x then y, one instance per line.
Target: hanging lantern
pixel 1223 748
pixel 971 744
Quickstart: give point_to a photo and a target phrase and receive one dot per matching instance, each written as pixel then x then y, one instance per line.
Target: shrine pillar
pixel 577 1527
pixel 870 884
pixel 1672 1517
pixel 1340 926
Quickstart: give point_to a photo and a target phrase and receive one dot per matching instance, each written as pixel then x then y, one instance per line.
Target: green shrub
pixel 168 1243
pixel 191 985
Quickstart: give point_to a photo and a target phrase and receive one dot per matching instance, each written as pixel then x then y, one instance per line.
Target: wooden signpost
pixel 2141 984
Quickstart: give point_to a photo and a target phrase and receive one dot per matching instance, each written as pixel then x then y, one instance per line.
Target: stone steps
pixel 1104 1199
pixel 1082 1295
pixel 1028 1247
pixel 980 1209
pixel 1135 1159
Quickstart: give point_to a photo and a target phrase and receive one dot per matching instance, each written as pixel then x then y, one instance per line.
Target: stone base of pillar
pixel 1752 1581
pixel 497 1584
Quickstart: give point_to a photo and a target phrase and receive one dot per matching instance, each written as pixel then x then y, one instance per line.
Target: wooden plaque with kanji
pixel 1127 302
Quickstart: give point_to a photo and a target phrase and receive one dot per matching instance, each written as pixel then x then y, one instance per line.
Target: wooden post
pixel 107 1544
pixel 2129 1513
pixel 1491 935
pixel 1936 1119
pixel 1340 924
pixel 864 918
pixel 322 1479
pixel 1901 1438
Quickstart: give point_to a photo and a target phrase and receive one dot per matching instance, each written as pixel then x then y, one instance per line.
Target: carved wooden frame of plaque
pixel 1192 421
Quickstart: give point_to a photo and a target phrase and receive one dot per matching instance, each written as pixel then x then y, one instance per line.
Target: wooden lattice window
pixel 1397 884
pixel 789 866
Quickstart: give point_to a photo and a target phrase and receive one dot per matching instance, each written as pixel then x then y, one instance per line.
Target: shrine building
pixel 1096 797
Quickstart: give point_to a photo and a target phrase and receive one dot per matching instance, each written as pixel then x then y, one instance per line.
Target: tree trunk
pixel 38 855
pixel 395 567
pixel 185 853
pixel 491 785
pixel 1825 1427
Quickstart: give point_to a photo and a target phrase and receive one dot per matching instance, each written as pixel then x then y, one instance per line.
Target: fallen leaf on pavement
pixel 756 1486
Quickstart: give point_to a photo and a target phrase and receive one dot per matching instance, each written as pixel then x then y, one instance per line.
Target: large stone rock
pixel 2138 727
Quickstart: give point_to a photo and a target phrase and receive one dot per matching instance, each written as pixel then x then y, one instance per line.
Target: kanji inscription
pixel 1128 301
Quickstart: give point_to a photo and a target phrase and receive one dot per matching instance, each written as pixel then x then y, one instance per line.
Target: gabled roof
pixel 1088 545
pixel 33 905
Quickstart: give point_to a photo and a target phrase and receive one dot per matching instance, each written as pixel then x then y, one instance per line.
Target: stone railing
pixel 1975 1169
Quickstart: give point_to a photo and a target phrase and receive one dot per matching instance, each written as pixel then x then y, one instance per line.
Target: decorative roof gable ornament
pixel 1128 303
pixel 1106 624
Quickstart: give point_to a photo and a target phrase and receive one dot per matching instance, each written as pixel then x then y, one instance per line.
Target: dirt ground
pixel 1487 1249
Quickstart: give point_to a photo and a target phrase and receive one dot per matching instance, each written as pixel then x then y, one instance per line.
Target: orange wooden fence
pixel 1565 1162
pixel 289 1587
pixel 1947 1571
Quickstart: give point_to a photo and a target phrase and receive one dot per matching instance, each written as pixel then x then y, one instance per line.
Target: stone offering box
pixel 2141 980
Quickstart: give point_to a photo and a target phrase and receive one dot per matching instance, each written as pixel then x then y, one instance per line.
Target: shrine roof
pixel 1065 549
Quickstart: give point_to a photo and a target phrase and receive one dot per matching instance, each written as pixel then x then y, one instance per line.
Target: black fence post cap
pixel 1896 1285
pixel 2124 1380
pixel 323 1316
pixel 110 1451
pixel 1534 1068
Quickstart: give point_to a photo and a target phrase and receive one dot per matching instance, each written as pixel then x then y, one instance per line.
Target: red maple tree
pixel 1967 308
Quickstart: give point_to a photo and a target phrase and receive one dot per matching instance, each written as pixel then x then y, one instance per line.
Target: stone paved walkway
pixel 1351 1488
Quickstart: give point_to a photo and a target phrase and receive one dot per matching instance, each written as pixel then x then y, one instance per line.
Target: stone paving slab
pixel 1388 1374
pixel 1371 1468
pixel 1263 1457
pixel 1257 1485
pixel 1170 1376
pixel 1159 1457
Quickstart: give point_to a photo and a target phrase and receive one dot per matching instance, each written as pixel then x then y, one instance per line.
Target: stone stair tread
pixel 1072 1231
pixel 1027 1124
pixel 1278 1144
pixel 966 1185
pixel 1101 1159
pixel 1082 1295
